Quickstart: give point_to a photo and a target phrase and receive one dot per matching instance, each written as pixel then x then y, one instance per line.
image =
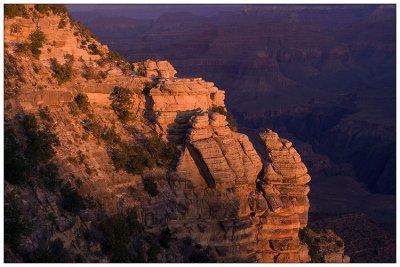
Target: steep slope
pixel 111 161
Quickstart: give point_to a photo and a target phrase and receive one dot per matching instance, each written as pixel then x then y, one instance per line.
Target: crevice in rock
pixel 201 165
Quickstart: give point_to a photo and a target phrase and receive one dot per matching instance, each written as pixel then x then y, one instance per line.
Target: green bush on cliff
pixel 142 69
pixel 229 117
pixel 72 201
pixel 49 175
pixel 40 143
pixel 45 114
pixel 116 235
pixel 150 186
pixel 93 50
pixel 63 73
pixel 15 225
pixel 15 166
pixel 156 147
pixel 82 101
pixel 36 39
pixel 14 10
pixel 152 252
pixel 121 102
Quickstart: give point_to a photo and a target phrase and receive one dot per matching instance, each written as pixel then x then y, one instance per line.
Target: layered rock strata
pixel 225 206
pixel 172 102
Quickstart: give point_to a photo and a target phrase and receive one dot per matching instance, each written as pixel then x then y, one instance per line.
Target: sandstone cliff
pixel 200 191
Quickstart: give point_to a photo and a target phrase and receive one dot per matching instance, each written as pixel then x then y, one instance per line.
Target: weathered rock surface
pixel 172 102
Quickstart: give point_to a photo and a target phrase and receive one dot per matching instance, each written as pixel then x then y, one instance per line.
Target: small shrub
pixel 339 243
pixel 55 252
pixel 93 127
pixel 45 114
pixel 15 225
pixel 82 102
pixel 121 102
pixel 22 48
pixel 73 108
pixel 72 201
pixel 37 39
pixel 142 69
pixel 150 186
pixel 110 136
pixel 58 9
pixel 15 28
pixel 102 74
pixel 40 143
pixel 15 166
pixel 133 224
pixel 63 73
pixel 165 238
pixel 115 232
pixel 62 23
pixel 42 8
pixel 89 72
pixel 152 252
pixel 14 10
pixel 69 59
pixel 93 50
pixel 35 68
pixel 49 175
pixel 229 117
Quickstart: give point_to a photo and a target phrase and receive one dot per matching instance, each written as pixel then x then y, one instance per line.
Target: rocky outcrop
pixel 246 214
pixel 283 185
pixel 159 69
pixel 172 102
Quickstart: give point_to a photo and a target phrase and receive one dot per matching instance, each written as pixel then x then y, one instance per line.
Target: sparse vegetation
pixel 110 136
pixel 15 225
pixel 49 175
pixel 83 31
pixel 36 39
pixel 165 238
pixel 130 158
pixel 121 103
pixel 72 201
pixel 116 235
pixel 54 252
pixel 82 102
pixel 150 186
pixel 89 72
pixel 142 69
pixel 63 22
pixel 93 127
pixel 63 73
pixel 40 143
pixel 22 48
pixel 15 166
pixel 12 70
pixel 35 68
pixel 133 224
pixel 229 117
pixel 45 114
pixel 306 235
pixel 115 57
pixel 152 252
pixel 14 10
pixel 93 50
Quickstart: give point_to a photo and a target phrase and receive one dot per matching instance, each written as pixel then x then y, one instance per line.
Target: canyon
pixel 322 76
pixel 116 161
